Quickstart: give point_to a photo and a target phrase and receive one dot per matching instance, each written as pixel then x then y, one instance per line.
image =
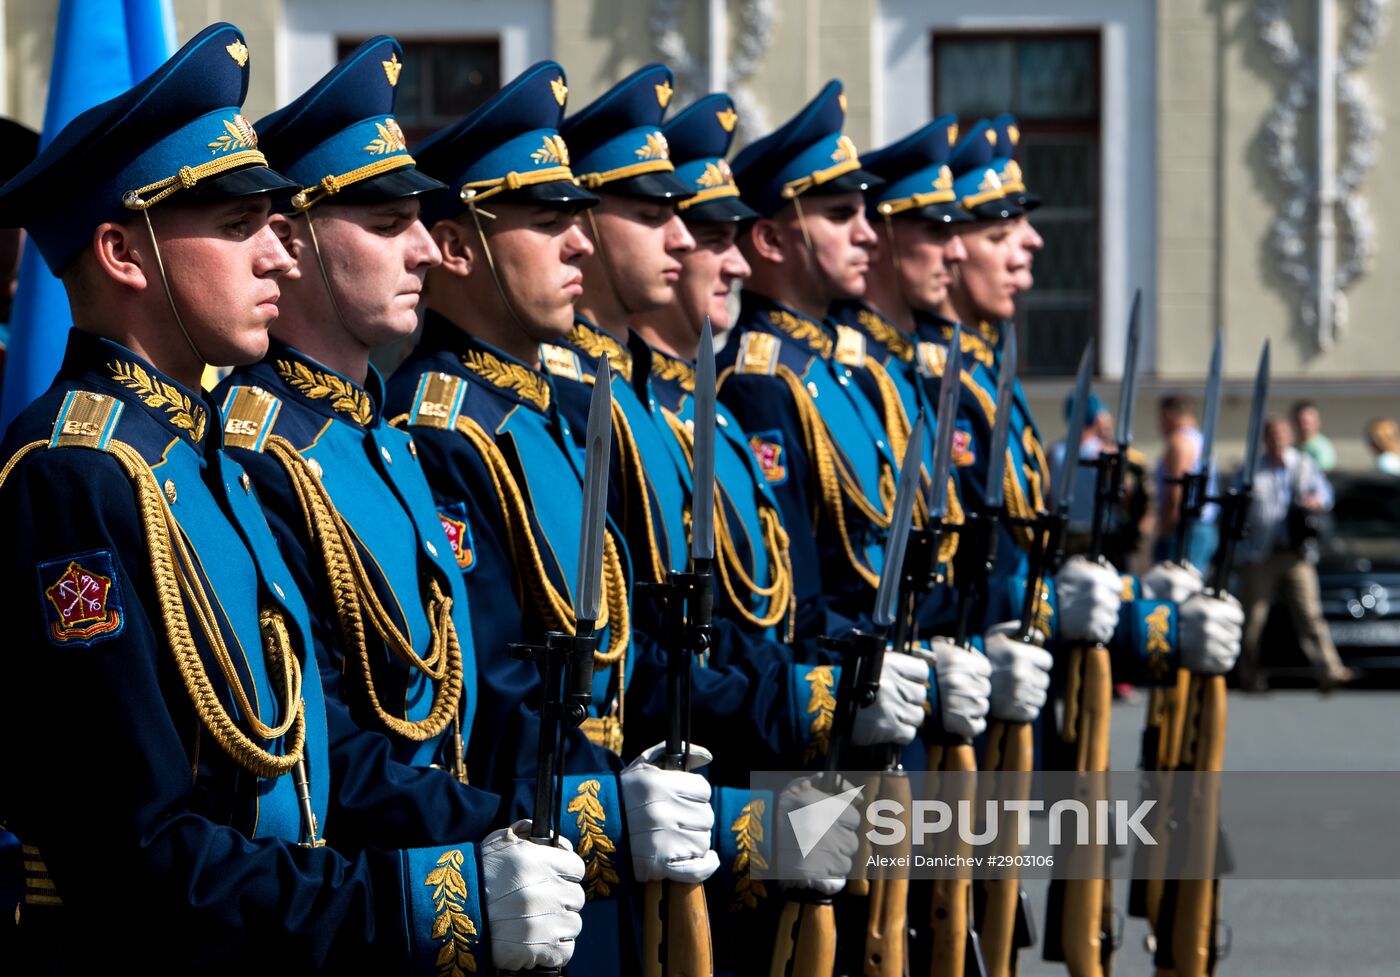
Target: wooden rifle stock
pixel 1010 750
pixel 676 930
pixel 806 944
pixel 956 947
pixel 886 951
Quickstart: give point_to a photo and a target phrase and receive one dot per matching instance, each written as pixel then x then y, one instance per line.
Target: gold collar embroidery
pixel 155 392
pixel 596 343
pixel 665 367
pixel 508 376
pixel 886 335
pixel 345 397
pixel 804 330
pixel 973 344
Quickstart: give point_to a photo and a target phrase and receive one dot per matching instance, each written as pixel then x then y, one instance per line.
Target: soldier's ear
pixel 292 237
pixel 765 241
pixel 122 251
pixel 458 247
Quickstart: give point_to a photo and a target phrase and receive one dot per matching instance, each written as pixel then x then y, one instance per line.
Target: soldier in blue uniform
pixel 232 831
pixel 481 395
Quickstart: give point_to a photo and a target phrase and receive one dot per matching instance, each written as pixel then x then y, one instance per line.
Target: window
pixel 441 81
pixel 1051 83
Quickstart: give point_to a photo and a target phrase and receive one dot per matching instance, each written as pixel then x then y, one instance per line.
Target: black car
pixel 1359 572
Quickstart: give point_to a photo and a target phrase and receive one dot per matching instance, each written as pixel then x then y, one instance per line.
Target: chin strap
pixel 169 296
pixel 321 264
pixel 478 213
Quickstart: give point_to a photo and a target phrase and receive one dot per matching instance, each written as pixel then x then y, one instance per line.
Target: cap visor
pixel 722 210
pixel 246 182
pixel 657 186
pixel 948 213
pixel 855 180
pixel 1028 201
pixel 397 184
pixel 995 210
pixel 558 193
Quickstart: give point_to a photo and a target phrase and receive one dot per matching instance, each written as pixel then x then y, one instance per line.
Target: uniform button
pixel 315 467
pixel 246 482
pixel 278 591
pixel 413 449
pixel 431 548
pixel 848 373
pixel 169 487
pixel 384 452
pixel 721 420
pixel 880 444
pixel 812 388
pixel 842 379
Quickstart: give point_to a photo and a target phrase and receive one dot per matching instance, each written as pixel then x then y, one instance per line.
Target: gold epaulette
pixel 758 353
pixel 561 361
pixel 932 358
pixel 249 414
pixel 438 401
pixel 850 346
pixel 86 420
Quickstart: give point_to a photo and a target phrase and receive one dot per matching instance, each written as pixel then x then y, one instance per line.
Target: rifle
pixel 955 947
pixel 1079 915
pixel 1006 923
pixel 886 934
pixel 1161 735
pixel 1190 908
pixel 675 920
pixel 565 661
pixel 806 940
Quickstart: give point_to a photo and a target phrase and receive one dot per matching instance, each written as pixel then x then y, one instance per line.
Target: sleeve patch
pixel 249 414
pixel 459 534
pixel 438 401
pixel 964 452
pixel 767 448
pixel 561 362
pixel 850 346
pixel 82 599
pixel 758 353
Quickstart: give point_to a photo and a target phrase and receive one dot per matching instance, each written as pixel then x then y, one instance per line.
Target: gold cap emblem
pixel 561 90
pixel 841 100
pixel 664 93
pixel 238 51
pixel 553 151
pixel 728 119
pixel 392 67
pixel 953 134
pixel 944 180
pixel 1015 133
pixel 389 139
pixel 655 148
pixel 992 136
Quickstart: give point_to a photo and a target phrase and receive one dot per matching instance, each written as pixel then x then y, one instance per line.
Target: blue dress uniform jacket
pixel 1145 644
pixel 823 450
pixel 298 427
pixel 500 458
pixel 747 705
pixel 134 547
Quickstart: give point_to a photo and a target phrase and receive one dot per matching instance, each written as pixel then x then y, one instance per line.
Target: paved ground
pixel 1289 928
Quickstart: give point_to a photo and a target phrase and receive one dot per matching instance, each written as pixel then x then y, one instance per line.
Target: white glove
pixel 1020 674
pixel 1175 582
pixel 1212 629
pixel 1090 597
pixel 898 709
pixel 669 818
pixel 964 687
pixel 533 898
pixel 826 866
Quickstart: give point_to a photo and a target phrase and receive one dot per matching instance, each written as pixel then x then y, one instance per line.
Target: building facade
pixel 1177 144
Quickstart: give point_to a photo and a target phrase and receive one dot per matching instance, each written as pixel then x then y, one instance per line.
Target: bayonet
pixel 1195 482
pixel 949 390
pixel 995 493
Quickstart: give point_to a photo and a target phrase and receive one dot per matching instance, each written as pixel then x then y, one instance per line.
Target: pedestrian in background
pixel 1278 556
pixel 1181 435
pixel 1383 438
pixel 1307 422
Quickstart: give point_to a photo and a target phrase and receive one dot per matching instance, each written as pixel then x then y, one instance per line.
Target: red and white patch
pixel 460 538
pixel 82 602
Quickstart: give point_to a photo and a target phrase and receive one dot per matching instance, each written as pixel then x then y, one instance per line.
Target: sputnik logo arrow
pixel 811 823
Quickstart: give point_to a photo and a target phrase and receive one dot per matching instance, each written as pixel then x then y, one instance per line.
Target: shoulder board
pixel 249 413
pixel 850 346
pixel 758 352
pixel 932 357
pixel 86 420
pixel 438 401
pixel 561 362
